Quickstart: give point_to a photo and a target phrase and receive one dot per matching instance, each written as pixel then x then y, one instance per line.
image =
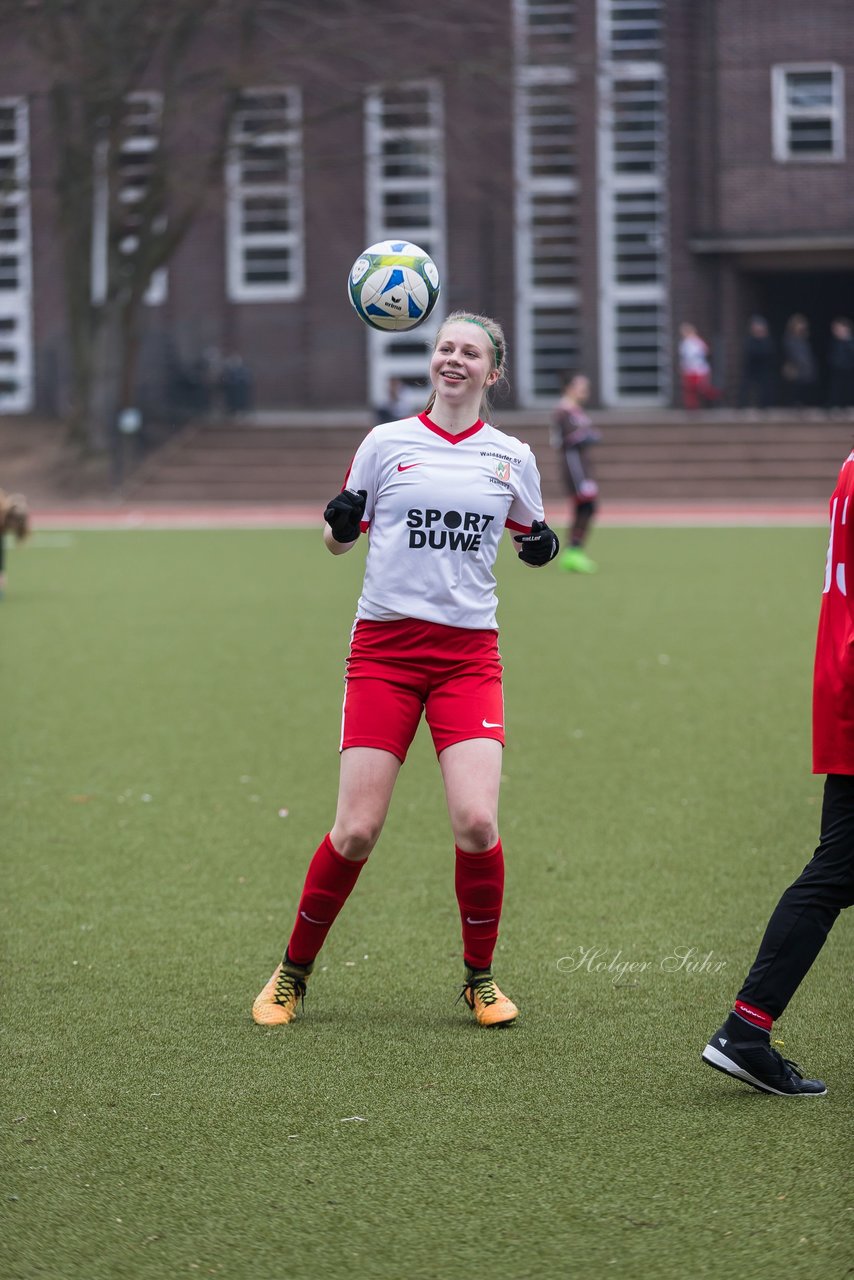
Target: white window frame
pixel 16 305
pixel 407 362
pixel 782 113
pixel 649 45
pixel 537 305
pixel 237 242
pixel 616 295
pixel 545 31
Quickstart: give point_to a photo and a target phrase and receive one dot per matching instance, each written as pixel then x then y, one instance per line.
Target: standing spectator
pixel 840 363
pixel 235 384
pixel 758 366
pixel 697 389
pixel 799 367
pixel 14 519
pixel 201 382
pixel 572 434
pixel 435 493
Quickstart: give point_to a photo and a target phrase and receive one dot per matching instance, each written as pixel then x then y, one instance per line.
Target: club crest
pixel 502 471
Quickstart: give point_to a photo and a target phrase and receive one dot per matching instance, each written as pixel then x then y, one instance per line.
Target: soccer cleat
pixel 277 1003
pixel 753 1059
pixel 487 1002
pixel 576 560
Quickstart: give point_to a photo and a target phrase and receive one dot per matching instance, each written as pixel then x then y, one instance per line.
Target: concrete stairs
pixel 712 455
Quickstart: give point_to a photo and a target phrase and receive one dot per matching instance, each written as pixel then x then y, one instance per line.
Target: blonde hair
pixel 497 349
pixel 14 515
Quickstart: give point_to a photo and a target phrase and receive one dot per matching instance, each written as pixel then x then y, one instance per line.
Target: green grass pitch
pixel 165 695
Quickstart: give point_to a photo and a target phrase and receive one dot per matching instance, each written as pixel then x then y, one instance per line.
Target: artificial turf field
pixel 165 695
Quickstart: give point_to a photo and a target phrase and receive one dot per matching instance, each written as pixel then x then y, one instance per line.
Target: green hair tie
pixel 482 326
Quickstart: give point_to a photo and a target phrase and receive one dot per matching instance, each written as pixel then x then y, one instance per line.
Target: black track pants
pixel 807 910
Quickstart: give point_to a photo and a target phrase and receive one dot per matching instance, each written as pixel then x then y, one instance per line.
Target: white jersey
pixel 694 356
pixel 436 509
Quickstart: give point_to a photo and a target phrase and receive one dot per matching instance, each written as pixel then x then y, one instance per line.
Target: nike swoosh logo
pixel 311 920
pixel 408 466
pixel 490 920
pixel 492 724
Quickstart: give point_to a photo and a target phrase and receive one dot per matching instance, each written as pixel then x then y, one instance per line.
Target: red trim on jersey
pixel 364 525
pixel 446 435
pixel 520 528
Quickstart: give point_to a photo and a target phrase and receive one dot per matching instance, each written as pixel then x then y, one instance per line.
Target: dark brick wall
pixel 312 352
pixel 692 167
pixel 585 94
pixel 724 180
pixel 759 195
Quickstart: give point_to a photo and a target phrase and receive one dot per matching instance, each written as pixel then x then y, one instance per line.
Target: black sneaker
pixel 745 1053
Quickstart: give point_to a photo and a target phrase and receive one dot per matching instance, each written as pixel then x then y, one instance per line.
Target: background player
pixel 436 492
pixel 14 519
pixel 572 435
pixel 807 910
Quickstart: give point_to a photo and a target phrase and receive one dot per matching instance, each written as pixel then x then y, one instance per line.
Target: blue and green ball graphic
pixel 394 285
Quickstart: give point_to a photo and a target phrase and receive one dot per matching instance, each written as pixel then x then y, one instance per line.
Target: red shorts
pixel 396 670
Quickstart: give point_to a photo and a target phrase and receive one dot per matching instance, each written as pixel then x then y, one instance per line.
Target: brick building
pixel 590 171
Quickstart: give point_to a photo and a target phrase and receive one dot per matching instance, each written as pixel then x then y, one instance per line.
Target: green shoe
pixel 575 560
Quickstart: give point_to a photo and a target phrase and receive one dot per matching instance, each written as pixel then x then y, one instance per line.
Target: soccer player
pixel 572 434
pixel 807 910
pixel 435 492
pixel 14 519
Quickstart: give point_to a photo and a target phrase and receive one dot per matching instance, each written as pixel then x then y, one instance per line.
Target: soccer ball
pixel 394 285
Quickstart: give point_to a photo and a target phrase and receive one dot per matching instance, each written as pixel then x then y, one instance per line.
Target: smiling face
pixel 463 362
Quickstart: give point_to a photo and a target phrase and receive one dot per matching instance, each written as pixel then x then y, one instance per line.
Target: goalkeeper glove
pixel 539 546
pixel 344 513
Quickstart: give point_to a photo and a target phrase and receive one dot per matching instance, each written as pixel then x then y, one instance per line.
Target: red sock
pixel 328 884
pixel 758 1017
pixel 479 882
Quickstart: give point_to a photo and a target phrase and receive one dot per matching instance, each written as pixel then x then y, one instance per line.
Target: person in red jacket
pixel 807 910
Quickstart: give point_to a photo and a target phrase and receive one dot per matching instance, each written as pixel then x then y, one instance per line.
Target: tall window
pixel 633 212
pixel 634 30
pixel 405 198
pixel 264 214
pixel 546 215
pixel 808 117
pixel 139 138
pixel 16 342
pixel 547 30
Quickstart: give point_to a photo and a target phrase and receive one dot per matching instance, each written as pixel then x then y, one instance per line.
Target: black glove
pixel 539 546
pixel 344 513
